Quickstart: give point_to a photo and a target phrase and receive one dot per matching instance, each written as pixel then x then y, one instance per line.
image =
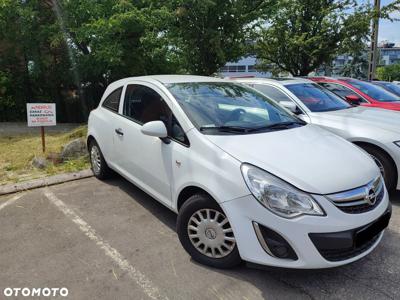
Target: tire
pixel 385 164
pixel 98 164
pixel 222 251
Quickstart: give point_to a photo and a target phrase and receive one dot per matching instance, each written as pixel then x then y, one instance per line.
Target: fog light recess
pixel 273 243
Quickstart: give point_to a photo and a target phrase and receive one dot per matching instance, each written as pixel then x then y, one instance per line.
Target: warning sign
pixel 41 114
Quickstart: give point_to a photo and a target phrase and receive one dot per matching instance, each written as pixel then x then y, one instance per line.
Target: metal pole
pixel 373 55
pixel 43 141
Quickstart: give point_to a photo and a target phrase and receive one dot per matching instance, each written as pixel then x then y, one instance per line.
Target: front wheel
pixel 385 165
pixel 206 234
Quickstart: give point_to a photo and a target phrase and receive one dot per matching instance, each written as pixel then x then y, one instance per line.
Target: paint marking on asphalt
pixel 139 278
pixel 11 201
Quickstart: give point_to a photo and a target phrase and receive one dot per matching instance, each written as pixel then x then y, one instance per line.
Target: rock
pixel 74 149
pixel 39 162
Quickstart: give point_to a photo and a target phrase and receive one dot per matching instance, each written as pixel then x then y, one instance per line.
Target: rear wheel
pixel 206 234
pixel 99 166
pixel 385 164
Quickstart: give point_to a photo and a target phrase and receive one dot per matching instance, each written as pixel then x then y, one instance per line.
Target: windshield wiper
pixel 225 128
pixel 282 125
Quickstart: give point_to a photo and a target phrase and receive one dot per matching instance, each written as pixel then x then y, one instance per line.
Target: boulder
pixel 74 149
pixel 40 162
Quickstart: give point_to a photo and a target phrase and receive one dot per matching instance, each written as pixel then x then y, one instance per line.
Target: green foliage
pixel 304 34
pixel 209 33
pixel 389 73
pixel 68 51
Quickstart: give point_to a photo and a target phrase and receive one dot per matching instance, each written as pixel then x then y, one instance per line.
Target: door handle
pixel 119 131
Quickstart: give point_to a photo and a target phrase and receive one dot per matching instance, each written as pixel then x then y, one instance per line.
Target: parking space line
pixel 139 278
pixel 11 201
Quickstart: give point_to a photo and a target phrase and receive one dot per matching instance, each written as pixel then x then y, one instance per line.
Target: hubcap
pixel 95 159
pixel 380 165
pixel 210 233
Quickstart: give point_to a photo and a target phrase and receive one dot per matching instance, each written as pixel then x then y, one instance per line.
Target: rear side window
pixel 112 101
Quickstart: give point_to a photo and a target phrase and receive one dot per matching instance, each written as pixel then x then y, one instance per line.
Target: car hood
pixel 364 116
pixel 389 105
pixel 308 157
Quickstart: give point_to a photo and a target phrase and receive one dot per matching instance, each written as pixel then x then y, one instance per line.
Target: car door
pixel 145 160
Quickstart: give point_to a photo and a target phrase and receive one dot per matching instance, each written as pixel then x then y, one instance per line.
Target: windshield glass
pixel 376 92
pixel 230 107
pixel 391 87
pixel 317 98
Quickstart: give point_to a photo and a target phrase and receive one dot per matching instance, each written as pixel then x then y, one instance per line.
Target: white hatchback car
pixel 375 130
pixel 249 180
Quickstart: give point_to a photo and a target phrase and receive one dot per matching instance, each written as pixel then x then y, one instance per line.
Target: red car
pixel 358 92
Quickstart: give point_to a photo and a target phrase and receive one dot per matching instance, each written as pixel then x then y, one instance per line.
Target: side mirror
pixel 291 106
pixel 155 128
pixel 353 99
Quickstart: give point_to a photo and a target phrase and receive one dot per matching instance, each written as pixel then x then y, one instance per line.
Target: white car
pixel 249 180
pixel 375 130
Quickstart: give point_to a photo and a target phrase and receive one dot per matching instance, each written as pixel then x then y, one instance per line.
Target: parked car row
pixel 257 170
pixel 377 131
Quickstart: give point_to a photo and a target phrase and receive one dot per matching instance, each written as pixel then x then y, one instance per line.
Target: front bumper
pixel 244 211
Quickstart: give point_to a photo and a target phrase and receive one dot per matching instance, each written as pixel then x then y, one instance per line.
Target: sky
pixel 388 30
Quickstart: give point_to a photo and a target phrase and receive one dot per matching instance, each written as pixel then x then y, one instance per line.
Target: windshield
pixel 230 108
pixel 376 92
pixel 317 98
pixel 391 87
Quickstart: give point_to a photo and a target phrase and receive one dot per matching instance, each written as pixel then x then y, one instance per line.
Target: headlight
pixel 278 196
pixel 397 143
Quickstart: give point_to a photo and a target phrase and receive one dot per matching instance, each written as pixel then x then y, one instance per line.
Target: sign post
pixel 41 115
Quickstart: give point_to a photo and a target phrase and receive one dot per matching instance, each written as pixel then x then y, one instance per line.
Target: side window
pixel 112 101
pixel 340 90
pixel 272 92
pixel 143 105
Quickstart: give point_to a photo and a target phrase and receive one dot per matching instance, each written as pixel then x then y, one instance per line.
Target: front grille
pixel 360 200
pixel 340 254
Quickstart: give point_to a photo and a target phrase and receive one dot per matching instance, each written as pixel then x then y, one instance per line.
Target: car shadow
pixel 161 212
pixel 274 282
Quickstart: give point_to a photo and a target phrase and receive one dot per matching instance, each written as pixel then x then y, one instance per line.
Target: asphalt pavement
pixel 109 240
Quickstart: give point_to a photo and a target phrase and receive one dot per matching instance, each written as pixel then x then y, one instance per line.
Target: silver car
pixel 375 130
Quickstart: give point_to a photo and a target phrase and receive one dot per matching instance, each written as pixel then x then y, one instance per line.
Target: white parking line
pixel 11 201
pixel 139 278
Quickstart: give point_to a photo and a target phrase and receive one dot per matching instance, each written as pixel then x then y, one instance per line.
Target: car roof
pixel 282 81
pixel 166 79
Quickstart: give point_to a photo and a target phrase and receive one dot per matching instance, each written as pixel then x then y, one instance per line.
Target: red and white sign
pixel 41 114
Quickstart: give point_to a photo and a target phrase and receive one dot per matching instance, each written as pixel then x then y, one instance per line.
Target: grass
pixel 17 152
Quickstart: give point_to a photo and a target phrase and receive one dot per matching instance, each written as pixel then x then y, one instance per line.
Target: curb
pixel 47 181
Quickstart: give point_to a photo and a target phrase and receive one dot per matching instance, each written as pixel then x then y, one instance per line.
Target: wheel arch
pixel 189 191
pixel 377 147
pixel 89 139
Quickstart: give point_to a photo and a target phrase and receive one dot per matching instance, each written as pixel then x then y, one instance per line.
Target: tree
pixel 304 34
pixel 68 51
pixel 209 33
pixel 389 73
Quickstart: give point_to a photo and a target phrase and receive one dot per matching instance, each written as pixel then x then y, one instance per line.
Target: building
pixel 244 67
pixel 342 65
